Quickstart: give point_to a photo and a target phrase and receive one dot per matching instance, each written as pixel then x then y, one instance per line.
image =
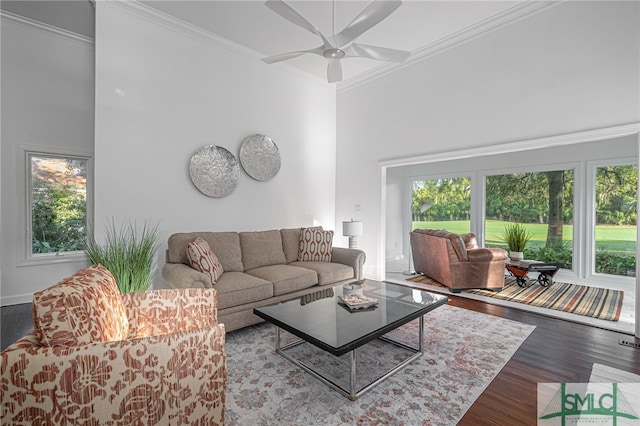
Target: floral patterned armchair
pixel 99 357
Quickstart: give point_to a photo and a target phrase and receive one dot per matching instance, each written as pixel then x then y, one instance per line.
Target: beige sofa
pixel 260 268
pixel 444 256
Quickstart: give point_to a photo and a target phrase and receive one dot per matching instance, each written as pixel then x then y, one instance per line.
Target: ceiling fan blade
pixel 377 52
pixel 292 15
pixel 334 71
pixel 368 18
pixel 290 55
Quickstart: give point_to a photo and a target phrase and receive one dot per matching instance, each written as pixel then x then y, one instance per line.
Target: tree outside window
pixel 543 203
pixel 616 196
pixel 58 196
pixel 443 203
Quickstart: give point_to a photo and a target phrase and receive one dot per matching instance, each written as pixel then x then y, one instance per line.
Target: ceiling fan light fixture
pixel 333 54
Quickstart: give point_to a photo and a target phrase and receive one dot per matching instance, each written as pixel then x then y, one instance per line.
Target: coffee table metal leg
pixel 421 334
pixel 420 349
pixel 280 349
pixel 352 393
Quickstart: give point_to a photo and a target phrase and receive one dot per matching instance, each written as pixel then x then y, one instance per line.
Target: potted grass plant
pixel 128 252
pixel 516 236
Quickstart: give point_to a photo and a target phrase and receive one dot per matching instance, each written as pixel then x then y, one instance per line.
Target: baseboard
pixel 16 300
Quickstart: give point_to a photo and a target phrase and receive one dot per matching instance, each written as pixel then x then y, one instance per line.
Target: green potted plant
pixel 516 236
pixel 128 252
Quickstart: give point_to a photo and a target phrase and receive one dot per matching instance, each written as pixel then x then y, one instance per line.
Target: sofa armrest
pixel 350 257
pixel 487 254
pixel 152 313
pixel 168 379
pixel 179 275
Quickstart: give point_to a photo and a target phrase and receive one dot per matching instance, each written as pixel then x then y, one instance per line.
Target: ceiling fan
pixel 343 45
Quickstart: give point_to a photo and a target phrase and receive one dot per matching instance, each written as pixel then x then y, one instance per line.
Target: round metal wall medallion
pixel 260 157
pixel 214 171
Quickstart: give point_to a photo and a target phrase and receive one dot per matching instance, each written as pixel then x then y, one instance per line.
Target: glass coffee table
pixel 333 328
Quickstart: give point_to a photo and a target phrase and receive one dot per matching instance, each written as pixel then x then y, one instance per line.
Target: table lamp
pixel 353 230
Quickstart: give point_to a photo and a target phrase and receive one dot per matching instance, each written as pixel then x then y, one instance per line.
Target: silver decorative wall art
pixel 260 157
pixel 214 171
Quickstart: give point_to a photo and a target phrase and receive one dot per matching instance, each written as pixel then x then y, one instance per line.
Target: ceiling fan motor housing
pixel 333 53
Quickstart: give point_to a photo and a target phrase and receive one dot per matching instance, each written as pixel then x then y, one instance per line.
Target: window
pixel 442 204
pixel 616 219
pixel 543 203
pixel 57 213
pixel 600 178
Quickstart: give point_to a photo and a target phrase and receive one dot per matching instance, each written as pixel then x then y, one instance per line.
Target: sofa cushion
pixel 261 249
pixel 291 242
pixel 84 308
pixel 202 258
pixel 226 245
pixel 286 278
pixel 328 273
pixel 315 245
pixel 238 288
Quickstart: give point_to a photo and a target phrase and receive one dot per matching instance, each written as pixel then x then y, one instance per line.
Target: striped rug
pixel 583 300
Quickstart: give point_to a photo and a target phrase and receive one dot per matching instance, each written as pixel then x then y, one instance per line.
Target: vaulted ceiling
pixel 413 26
pixel 422 27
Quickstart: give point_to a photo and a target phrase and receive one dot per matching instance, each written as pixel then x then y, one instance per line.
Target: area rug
pixel 600 303
pixel 464 351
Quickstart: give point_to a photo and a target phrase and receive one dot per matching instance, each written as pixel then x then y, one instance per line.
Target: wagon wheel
pixel 522 281
pixel 545 280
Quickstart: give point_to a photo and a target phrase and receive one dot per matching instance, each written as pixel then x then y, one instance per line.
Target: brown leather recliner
pixel 443 256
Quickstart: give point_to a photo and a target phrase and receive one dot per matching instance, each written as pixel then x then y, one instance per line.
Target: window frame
pixel 29 258
pixel 578 199
pixel 409 192
pixel 590 227
pixel 576 167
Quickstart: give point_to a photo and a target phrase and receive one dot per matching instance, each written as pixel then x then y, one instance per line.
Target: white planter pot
pixel 516 255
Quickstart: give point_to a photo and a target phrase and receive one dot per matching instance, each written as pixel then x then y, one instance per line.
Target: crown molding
pixel 507 17
pixel 501 20
pixel 177 25
pixel 41 26
pixel 172 23
pixel 184 28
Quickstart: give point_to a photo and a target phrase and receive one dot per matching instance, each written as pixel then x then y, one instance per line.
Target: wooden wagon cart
pixel 521 269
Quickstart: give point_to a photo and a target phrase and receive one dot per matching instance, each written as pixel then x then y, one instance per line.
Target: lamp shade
pixel 352 228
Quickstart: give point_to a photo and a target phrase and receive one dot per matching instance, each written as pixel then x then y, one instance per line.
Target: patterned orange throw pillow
pixel 315 245
pixel 202 258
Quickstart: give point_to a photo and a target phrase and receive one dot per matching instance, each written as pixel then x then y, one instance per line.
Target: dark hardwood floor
pixel 15 322
pixel 557 351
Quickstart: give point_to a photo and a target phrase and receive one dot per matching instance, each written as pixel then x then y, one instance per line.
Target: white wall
pixel 163 91
pixel 570 68
pixel 47 101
